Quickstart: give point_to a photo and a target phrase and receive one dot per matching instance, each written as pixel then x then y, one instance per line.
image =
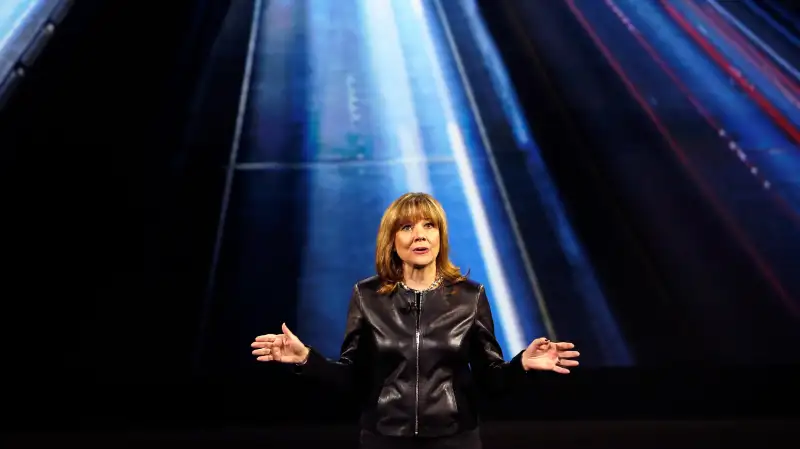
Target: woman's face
pixel 417 244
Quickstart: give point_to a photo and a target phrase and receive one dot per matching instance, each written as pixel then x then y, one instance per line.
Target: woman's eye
pixel 406 228
pixel 428 225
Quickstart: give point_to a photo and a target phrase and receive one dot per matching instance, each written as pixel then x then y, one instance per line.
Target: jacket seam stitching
pixel 477 303
pixel 474 315
pixel 361 310
pixel 360 300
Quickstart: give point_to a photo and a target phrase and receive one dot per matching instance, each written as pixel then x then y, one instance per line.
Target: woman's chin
pixel 422 262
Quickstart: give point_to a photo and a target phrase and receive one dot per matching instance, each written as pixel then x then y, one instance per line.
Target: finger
pixel 560 370
pixel 567 362
pixel 267 337
pixel 569 354
pixel 265 351
pixel 286 331
pixel 265 358
pixel 260 344
pixel 564 346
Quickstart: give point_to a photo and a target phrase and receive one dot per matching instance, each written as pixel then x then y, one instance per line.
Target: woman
pixel 419 341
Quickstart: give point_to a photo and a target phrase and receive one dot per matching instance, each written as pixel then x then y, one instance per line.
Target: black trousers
pixel 470 439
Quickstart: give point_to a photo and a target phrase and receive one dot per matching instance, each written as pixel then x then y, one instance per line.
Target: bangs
pixel 417 208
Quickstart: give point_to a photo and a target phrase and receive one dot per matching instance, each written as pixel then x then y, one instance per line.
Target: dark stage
pixel 545 435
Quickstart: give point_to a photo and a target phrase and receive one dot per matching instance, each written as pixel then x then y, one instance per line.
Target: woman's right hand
pixel 284 348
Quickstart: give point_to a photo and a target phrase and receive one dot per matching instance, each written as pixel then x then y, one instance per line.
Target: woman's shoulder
pixel 370 284
pixel 467 286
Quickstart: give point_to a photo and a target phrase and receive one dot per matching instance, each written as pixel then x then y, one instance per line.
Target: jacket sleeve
pixel 492 373
pixel 339 373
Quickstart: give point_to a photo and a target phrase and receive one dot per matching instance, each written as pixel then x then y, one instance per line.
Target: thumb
pixel 286 331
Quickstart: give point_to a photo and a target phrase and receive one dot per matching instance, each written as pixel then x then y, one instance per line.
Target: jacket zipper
pixel 418 299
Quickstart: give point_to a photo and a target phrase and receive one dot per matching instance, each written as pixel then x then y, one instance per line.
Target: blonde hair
pixel 411 208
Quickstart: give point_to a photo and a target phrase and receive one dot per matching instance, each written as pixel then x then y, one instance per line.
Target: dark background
pixel 108 225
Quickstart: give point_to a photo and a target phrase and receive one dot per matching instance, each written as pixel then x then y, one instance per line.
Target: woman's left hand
pixel 545 355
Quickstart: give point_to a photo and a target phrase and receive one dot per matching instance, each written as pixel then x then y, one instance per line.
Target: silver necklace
pixel 430 287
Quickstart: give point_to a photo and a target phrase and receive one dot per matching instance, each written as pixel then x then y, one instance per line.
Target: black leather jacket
pixel 418 359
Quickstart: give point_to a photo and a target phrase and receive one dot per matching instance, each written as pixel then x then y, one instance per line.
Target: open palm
pixel 284 348
pixel 545 355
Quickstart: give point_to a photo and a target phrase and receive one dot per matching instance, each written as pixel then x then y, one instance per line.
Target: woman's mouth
pixel 420 250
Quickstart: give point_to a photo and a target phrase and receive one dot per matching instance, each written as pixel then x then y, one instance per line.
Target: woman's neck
pixel 419 278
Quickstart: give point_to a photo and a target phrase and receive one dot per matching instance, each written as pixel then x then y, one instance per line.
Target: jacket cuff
pixel 516 366
pixel 312 364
